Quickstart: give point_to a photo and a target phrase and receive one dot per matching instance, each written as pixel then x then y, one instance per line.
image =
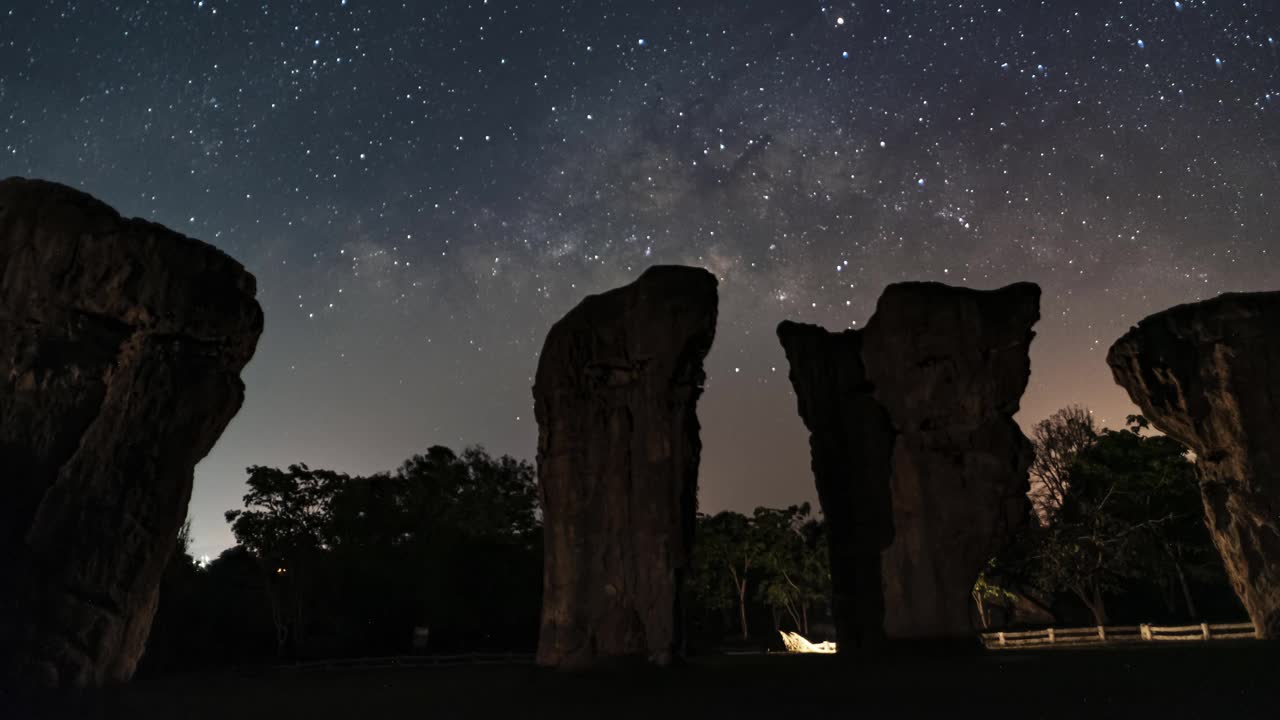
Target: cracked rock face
pixel 618 447
pixel 850 444
pixel 123 346
pixel 1208 375
pixel 920 468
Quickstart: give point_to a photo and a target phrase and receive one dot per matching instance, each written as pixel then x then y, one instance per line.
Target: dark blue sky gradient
pixel 422 188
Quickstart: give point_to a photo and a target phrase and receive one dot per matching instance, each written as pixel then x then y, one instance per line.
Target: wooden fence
pixel 1099 635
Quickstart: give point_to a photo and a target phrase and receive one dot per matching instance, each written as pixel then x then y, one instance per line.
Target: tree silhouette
pixel 447 541
pixel 1058 440
pixel 781 553
pixel 1130 512
pixel 286 523
pixel 795 570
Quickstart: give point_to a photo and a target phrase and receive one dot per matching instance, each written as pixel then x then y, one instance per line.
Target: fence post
pixel 1102 633
pixel 1146 631
pixel 1204 628
pixel 1051 639
pixel 1001 636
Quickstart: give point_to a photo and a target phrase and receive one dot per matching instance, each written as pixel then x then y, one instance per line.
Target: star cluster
pixel 422 188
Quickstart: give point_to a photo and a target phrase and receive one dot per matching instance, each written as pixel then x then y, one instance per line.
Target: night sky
pixel 422 188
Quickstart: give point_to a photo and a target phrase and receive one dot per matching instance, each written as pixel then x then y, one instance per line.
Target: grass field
pixel 1223 680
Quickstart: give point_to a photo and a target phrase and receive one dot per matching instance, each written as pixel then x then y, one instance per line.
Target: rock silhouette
pixel 123 345
pixel 850 444
pixel 618 448
pixel 1208 375
pixel 920 468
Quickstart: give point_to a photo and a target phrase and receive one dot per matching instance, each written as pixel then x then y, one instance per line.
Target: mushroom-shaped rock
pixel 920 468
pixel 615 399
pixel 123 346
pixel 1208 375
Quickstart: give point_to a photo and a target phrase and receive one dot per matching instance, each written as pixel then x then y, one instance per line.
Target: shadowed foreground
pixel 1235 680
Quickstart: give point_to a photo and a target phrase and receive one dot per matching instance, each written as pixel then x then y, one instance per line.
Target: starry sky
pixel 422 188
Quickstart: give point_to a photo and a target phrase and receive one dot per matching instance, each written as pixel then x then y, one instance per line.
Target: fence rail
pixel 1104 634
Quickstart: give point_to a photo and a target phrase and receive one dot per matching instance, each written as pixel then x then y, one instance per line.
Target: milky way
pixel 422 188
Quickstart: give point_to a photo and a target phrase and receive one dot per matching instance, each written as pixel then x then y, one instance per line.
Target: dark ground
pixel 1227 680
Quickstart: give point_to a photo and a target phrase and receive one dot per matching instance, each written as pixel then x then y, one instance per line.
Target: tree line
pixel 771 567
pixel 445 554
pixel 1116 533
pixel 445 551
pixel 442 555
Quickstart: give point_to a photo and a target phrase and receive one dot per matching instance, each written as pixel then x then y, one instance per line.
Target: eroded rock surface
pixel 123 344
pixel 615 398
pixel 920 468
pixel 850 444
pixel 1208 375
